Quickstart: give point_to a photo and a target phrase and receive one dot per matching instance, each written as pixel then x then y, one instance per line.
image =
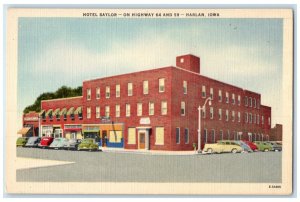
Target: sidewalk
pixel 149 152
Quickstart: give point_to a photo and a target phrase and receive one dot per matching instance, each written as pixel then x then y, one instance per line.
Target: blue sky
pixel 65 51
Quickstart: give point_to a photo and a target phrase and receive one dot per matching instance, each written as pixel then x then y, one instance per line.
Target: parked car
pixel 72 144
pixel 244 146
pixel 276 146
pixel 21 141
pixel 88 144
pixel 251 145
pixel 263 146
pixel 33 142
pixel 58 143
pixel 45 142
pixel 223 146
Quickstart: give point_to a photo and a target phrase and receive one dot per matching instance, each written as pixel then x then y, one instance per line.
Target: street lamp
pixel 199 121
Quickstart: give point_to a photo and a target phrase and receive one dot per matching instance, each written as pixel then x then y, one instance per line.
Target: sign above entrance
pixel 145 120
pixel 105 119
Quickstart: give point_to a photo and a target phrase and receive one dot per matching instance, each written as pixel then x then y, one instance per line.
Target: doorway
pixel 104 138
pixel 142 140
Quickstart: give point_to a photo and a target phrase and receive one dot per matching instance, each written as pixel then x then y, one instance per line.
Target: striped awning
pixel 24 130
pixel 56 111
pixel 70 111
pixel 42 112
pixel 49 111
pixel 78 110
pixel 63 111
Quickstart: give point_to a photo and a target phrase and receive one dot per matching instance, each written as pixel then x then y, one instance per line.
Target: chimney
pixel 188 62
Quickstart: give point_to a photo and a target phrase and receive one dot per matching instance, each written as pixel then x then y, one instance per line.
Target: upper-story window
pixel 203 91
pixel 258 103
pixel 239 100
pixel 161 83
pixel 88 94
pixel 269 121
pixel 211 91
pixel 129 89
pixel 151 108
pixel 233 115
pixel 118 90
pixel 220 114
pixel 250 101
pixel 145 87
pixel 220 96
pixel 88 112
pixel 164 108
pixel 203 112
pixel 257 119
pixel 246 117
pixel 250 118
pixel 227 97
pixel 182 108
pixel 239 116
pixel 107 92
pixel 227 115
pixel 233 98
pixel 254 102
pixel 254 118
pixel 184 87
pixel 97 112
pixel 246 101
pixel 107 109
pixel 211 112
pixel 127 110
pixel 262 120
pixel 139 109
pixel 117 110
pixel 98 93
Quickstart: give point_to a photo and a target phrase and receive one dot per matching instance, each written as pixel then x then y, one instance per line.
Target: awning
pixel 78 110
pixel 23 131
pixel 63 111
pixel 73 129
pixel 48 112
pixel 70 111
pixel 56 111
pixel 43 111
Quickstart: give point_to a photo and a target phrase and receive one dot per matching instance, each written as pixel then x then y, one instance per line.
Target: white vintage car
pixel 223 146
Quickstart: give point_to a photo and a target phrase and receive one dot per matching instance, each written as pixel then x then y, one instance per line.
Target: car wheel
pixel 234 151
pixel 266 150
pixel 210 151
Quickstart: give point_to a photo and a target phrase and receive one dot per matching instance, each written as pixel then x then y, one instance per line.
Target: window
pixel 221 134
pixel 233 115
pixel 246 117
pixel 98 93
pixel 151 108
pixel 257 119
pixel 182 111
pixel 211 91
pixel 184 87
pixel 106 111
pixel 239 116
pixel 211 110
pixel 145 87
pixel 88 112
pixel 213 137
pixel 246 101
pixel 159 135
pixel 203 92
pixel 164 108
pixel 227 97
pixel 98 112
pixel 228 135
pixel 88 94
pixel 250 118
pixel 203 112
pixel 250 101
pixel 220 114
pixel 186 135
pixel 177 135
pixel 254 102
pixel 118 90
pixel 139 109
pixel 161 83
pixel 227 115
pixel 129 89
pixel 269 121
pixel 239 100
pixel 258 103
pixel 117 110
pixel 205 135
pixel 107 92
pixel 127 110
pixel 254 118
pixel 233 98
pixel 181 60
pixel 131 136
pixel 220 96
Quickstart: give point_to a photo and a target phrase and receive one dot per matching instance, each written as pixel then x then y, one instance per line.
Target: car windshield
pixel 87 141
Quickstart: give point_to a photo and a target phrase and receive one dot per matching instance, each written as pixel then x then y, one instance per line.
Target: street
pixel 264 167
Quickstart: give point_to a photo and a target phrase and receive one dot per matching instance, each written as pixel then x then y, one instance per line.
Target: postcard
pixel 149 101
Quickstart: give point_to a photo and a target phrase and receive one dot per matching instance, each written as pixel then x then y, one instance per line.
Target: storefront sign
pixel 31 118
pixel 145 120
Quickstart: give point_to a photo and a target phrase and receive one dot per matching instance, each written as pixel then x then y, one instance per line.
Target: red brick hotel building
pixel 158 110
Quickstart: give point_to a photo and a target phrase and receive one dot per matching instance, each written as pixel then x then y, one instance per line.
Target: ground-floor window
pixel 186 135
pixel 159 135
pixel 131 136
pixel 213 138
pixel 115 136
pixel 177 135
pixel 221 134
pixel 228 135
pixel 205 135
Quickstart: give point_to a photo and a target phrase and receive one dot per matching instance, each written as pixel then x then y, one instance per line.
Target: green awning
pixel 63 111
pixel 88 131
pixel 70 111
pixel 48 112
pixel 42 112
pixel 78 110
pixel 56 111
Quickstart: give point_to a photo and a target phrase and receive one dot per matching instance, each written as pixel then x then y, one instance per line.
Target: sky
pixel 65 51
